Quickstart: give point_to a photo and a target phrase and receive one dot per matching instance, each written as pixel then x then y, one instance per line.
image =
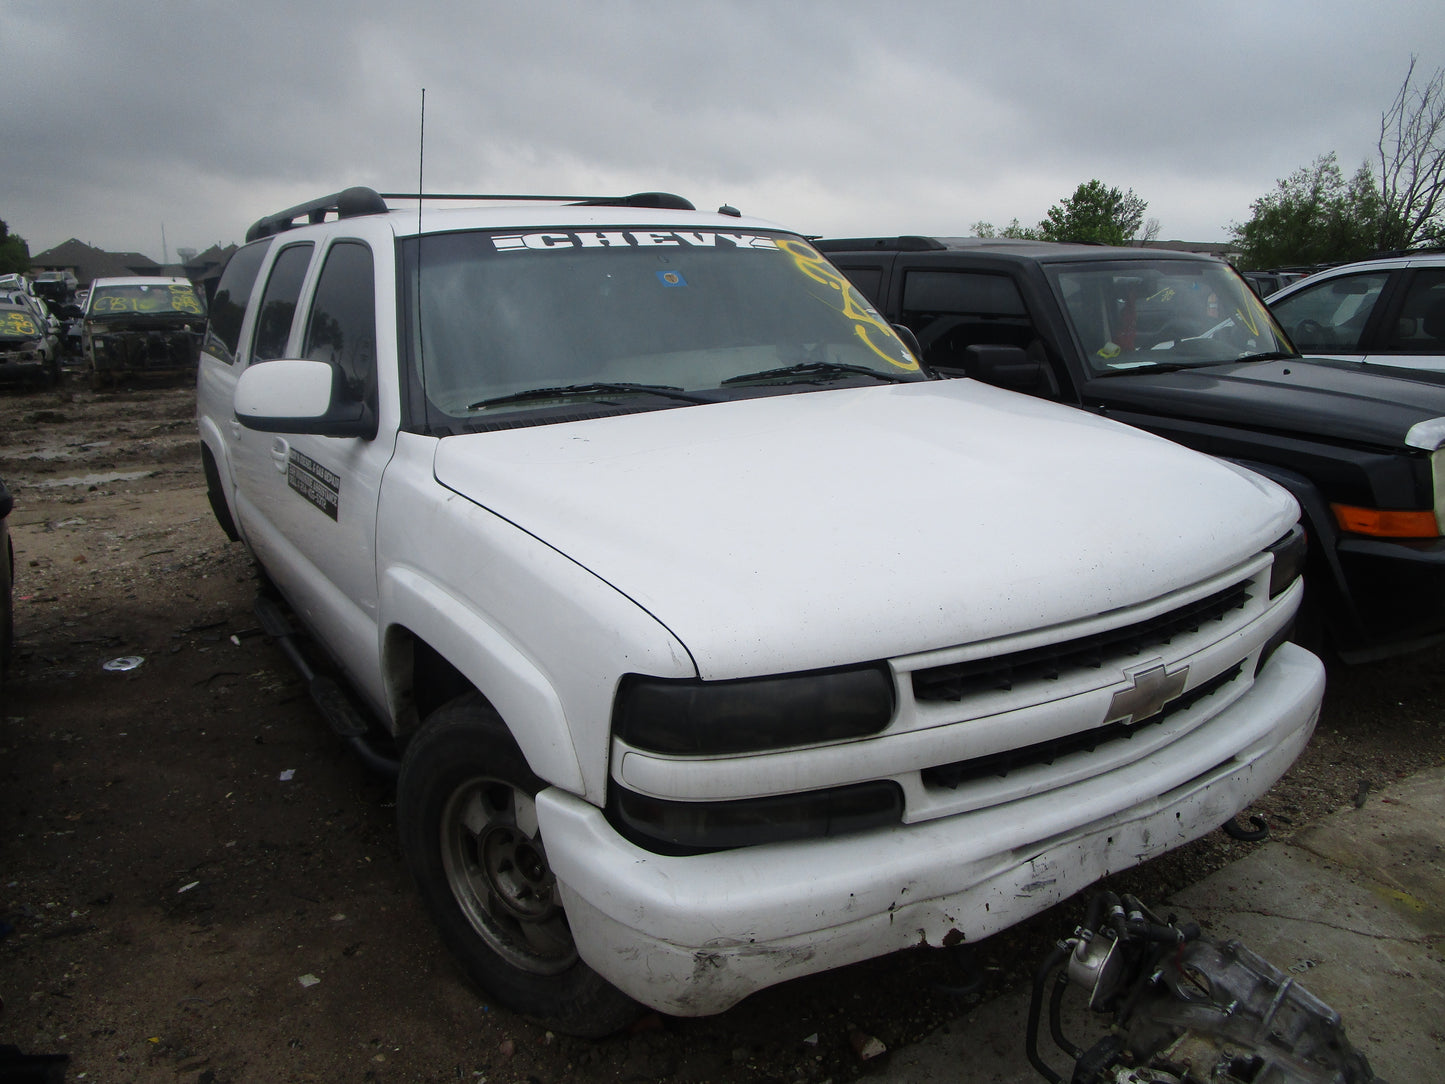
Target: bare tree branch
pixel 1412 161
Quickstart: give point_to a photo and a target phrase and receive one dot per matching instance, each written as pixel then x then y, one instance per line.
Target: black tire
pixel 462 804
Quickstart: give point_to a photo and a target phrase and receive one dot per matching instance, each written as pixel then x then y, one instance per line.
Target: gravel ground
pixel 184 847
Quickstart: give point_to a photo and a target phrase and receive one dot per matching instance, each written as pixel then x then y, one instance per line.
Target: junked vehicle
pixel 1176 343
pixel 1387 312
pixel 141 326
pixel 27 350
pixel 720 644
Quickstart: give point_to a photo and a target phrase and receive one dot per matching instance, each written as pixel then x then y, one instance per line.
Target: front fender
pixel 515 687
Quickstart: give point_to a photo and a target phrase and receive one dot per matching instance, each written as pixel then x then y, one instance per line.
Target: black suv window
pixel 233 294
pixel 950 311
pixel 342 325
pixel 1420 327
pixel 278 304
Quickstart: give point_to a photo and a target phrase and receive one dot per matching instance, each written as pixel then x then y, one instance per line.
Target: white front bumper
pixel 694 935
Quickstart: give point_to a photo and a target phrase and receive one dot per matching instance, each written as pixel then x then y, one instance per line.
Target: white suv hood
pixel 798 531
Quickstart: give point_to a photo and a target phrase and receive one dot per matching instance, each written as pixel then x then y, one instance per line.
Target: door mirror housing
pixel 294 395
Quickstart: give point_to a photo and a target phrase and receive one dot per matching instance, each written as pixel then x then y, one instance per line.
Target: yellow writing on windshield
pixel 867 325
pixel 173 297
pixel 18 323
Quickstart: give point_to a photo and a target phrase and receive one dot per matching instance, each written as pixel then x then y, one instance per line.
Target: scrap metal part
pixel 1187 1009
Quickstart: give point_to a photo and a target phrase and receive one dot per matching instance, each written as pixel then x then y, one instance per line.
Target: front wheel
pixel 467 813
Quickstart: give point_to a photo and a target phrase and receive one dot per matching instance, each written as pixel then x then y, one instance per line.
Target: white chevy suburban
pixel 717 641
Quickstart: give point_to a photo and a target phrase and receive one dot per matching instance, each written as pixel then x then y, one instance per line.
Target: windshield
pixel 501 323
pixel 17 325
pixel 1165 314
pixel 152 299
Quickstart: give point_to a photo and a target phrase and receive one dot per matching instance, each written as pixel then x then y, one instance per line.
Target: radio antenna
pixel 417 308
pixel 421 162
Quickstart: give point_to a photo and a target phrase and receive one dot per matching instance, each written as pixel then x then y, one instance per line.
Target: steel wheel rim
pixel 498 873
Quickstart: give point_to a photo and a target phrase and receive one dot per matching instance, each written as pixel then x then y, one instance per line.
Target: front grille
pixel 1046 752
pixel 957 681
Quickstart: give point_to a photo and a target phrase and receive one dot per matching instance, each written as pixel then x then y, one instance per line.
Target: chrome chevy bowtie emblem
pixel 1152 688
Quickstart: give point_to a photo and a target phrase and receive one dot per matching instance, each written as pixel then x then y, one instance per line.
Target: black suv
pixel 1178 344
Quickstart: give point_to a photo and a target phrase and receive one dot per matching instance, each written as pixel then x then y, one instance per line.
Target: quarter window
pixel 278 304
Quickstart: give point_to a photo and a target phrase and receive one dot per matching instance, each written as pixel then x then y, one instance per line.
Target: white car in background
pixel 1381 312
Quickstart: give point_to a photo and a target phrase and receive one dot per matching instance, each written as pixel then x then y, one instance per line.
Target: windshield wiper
pixel 564 391
pixel 1152 367
pixel 815 368
pixel 1269 355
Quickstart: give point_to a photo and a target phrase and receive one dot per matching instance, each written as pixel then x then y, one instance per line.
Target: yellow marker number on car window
pixel 866 324
pixel 183 299
pixel 17 323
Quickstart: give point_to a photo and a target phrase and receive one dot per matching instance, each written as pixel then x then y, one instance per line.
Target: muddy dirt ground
pixel 198 884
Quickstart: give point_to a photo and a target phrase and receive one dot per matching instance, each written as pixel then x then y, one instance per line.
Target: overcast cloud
pixel 125 118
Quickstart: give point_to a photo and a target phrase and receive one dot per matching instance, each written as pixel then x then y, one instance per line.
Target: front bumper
pixel 14 368
pixel 694 935
pixel 171 350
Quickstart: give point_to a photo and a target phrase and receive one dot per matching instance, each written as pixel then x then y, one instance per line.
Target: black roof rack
pixel 367 201
pixel 347 203
pixel 661 200
pixel 905 243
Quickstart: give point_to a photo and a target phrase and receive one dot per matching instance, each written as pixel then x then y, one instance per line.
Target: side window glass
pixel 1420 327
pixel 278 304
pixel 869 281
pixel 233 294
pixel 342 326
pixel 950 311
pixel 1331 316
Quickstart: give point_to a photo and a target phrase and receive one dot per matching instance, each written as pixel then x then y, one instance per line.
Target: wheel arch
pixel 435 647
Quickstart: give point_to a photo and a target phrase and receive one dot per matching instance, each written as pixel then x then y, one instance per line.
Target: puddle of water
pixel 94 479
pixel 70 451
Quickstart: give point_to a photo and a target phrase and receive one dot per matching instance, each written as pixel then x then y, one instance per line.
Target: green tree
pixel 1313 216
pixel 1099 214
pixel 14 252
pixel 1014 230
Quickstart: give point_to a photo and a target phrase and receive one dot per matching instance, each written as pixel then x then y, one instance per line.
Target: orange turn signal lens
pixel 1383 523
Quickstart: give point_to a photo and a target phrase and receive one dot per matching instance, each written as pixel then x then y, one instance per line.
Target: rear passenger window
pixel 869 281
pixel 1420 327
pixel 233 294
pixel 278 304
pixel 342 326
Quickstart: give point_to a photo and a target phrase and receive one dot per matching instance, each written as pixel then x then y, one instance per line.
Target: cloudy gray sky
pixel 123 118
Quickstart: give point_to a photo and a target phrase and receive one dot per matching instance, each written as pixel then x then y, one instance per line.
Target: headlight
pixel 1289 559
pixel 691 718
pixel 695 827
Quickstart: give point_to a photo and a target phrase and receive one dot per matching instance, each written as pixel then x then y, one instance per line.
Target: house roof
pixel 90 263
pixel 87 261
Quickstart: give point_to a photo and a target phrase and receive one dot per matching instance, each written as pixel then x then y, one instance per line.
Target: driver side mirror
pixel 301 396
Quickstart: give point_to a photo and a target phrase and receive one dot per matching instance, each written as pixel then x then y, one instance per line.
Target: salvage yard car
pixel 1177 344
pixel 141 326
pixel 1386 312
pixel 28 353
pixel 720 643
